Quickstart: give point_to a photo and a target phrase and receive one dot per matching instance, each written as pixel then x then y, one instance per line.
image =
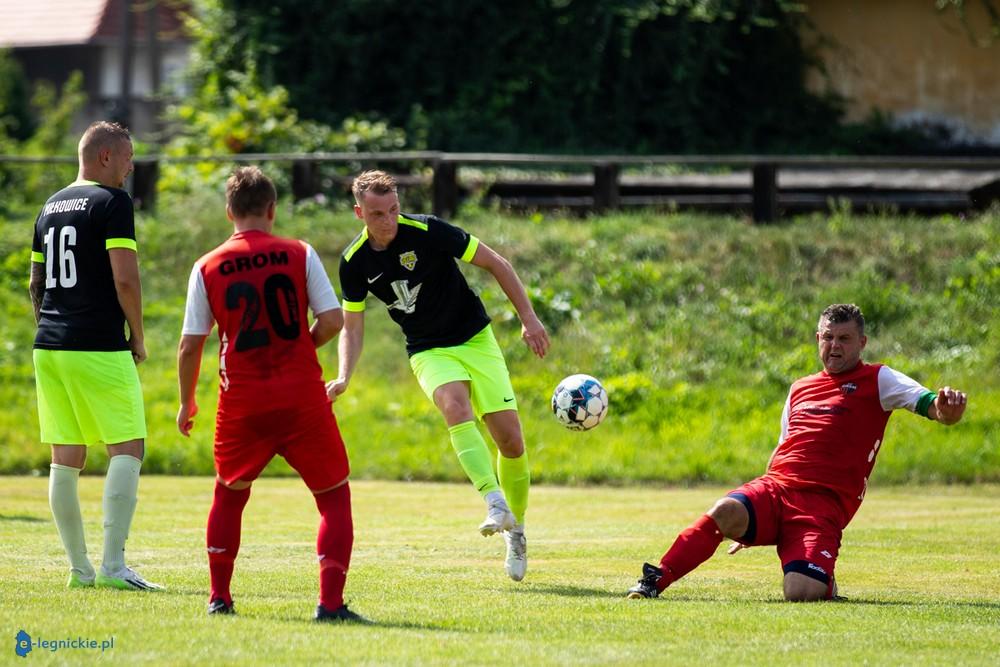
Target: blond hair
pixel 374 181
pixel 249 192
pixel 100 135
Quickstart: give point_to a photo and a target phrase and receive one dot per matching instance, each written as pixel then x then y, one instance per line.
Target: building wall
pixel 906 58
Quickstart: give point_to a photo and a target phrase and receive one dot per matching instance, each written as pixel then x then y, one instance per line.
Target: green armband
pixel 924 403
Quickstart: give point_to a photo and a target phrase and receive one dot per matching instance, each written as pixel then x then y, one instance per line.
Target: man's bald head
pixel 105 153
pixel 100 135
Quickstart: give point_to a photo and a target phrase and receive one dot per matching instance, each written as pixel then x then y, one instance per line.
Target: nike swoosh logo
pixel 507 400
pixel 371 280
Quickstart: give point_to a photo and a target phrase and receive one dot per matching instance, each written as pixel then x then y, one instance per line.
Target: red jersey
pixel 257 288
pixel 833 426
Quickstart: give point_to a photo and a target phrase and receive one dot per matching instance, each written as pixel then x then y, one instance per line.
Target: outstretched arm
pixel 349 348
pixel 532 330
pixel 948 407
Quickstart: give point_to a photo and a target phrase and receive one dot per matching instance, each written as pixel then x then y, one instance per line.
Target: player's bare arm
pixel 188 365
pixel 948 407
pixel 36 288
pixel 532 330
pixel 125 268
pixel 349 348
pixel 326 326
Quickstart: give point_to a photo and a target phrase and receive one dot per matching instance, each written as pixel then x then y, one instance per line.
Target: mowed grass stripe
pixel 918 565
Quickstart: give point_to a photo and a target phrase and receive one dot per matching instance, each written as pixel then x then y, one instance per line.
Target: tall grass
pixel 696 324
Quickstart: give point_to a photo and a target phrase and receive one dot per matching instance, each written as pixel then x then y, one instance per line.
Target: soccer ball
pixel 580 402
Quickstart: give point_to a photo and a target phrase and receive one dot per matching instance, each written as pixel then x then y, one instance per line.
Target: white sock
pixel 496 498
pixel 65 503
pixel 120 490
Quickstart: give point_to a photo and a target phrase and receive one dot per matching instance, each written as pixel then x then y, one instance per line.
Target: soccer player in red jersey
pixel 831 431
pixel 272 398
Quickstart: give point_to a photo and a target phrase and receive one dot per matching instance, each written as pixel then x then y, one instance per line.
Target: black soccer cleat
pixel 219 606
pixel 646 588
pixel 340 615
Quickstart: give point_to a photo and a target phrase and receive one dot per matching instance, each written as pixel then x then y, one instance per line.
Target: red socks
pixel 334 544
pixel 693 546
pixel 224 523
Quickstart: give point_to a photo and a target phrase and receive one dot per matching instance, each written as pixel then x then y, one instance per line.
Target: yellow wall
pixel 906 58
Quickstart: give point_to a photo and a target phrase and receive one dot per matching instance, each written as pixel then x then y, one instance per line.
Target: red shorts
pixel 805 525
pixel 307 437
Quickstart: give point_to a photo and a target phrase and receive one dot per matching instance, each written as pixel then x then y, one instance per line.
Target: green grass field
pixel 918 566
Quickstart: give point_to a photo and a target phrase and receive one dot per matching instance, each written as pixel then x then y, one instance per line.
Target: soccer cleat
pixel 646 587
pixel 498 519
pixel 340 615
pixel 76 581
pixel 219 606
pixel 516 563
pixel 125 579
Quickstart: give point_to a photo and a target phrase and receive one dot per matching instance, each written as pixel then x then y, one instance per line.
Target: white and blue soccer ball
pixel 580 402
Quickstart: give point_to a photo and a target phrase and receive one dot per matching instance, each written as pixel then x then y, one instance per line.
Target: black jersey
pixel 418 279
pixel 73 233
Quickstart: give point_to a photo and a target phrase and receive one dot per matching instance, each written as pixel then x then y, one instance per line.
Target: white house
pixel 52 38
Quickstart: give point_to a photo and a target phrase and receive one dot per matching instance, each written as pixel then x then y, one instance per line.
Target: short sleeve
pixel 37 252
pixel 353 288
pixel 120 222
pixel 453 240
pixel 198 318
pixel 321 295
pixel 896 390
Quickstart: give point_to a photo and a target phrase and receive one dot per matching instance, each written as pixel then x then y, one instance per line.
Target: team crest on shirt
pixel 848 387
pixel 408 259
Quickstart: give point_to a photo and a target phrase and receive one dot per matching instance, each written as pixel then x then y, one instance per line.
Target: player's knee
pixel 801 588
pixel 731 517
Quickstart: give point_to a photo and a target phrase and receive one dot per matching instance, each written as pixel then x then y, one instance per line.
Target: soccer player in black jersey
pixel 408 263
pixel 84 288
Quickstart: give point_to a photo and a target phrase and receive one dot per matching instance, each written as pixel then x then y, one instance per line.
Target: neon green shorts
pixel 477 361
pixel 88 398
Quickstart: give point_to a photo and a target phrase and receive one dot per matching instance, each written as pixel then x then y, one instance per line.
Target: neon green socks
pixel 474 456
pixel 515 480
pixel 120 488
pixel 65 503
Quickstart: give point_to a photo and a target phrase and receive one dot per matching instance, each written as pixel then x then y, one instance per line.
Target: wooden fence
pixel 605 186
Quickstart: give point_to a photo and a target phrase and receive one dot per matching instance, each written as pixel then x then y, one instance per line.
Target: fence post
pixel 144 177
pixel 305 179
pixel 445 188
pixel 765 192
pixel 606 190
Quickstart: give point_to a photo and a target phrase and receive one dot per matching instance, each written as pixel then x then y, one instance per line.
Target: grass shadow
pixel 27 518
pixel 567 591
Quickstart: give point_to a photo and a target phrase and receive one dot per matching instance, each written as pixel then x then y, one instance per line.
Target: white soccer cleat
pixel 498 519
pixel 125 579
pixel 516 564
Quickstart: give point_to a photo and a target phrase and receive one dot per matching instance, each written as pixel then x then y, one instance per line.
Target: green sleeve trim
pixel 37 257
pixel 470 251
pixel 121 243
pixel 362 237
pixel 924 403
pixel 354 306
pixel 413 223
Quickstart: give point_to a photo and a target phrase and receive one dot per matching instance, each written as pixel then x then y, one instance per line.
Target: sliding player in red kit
pixel 831 431
pixel 272 398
